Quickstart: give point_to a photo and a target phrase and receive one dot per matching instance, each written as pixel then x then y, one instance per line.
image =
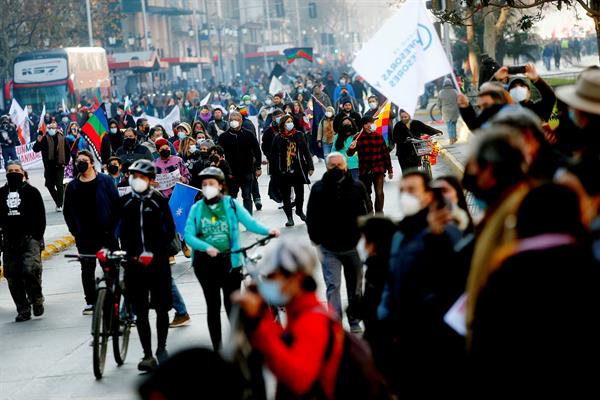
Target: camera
pixel 517 69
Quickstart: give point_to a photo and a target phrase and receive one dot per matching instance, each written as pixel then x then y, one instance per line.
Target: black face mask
pixel 82 166
pixel 336 175
pixel 165 153
pixel 112 169
pixel 128 142
pixel 14 179
pixel 204 154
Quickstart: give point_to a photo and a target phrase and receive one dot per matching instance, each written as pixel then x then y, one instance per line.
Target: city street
pixel 50 357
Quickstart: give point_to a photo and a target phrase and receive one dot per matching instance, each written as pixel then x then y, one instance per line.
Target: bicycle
pixel 427 149
pixel 112 312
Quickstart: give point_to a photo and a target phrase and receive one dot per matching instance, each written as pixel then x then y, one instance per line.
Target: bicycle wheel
pixel 122 329
pixel 101 330
pixel 434 112
pixel 426 166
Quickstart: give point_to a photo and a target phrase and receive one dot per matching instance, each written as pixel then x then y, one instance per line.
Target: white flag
pixel 166 122
pixel 204 101
pixel 276 86
pixel 20 118
pixel 403 55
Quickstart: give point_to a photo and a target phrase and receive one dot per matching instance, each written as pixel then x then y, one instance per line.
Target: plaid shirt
pixel 373 154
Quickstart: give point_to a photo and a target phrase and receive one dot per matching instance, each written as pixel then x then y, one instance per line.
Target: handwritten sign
pixel 168 180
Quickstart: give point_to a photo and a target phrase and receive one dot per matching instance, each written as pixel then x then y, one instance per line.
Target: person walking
pixel 243 154
pixel 342 141
pixel 449 108
pixel 325 132
pixel 292 162
pixel 334 205
pixel 132 150
pixel 9 139
pixel 170 169
pixel 212 228
pixel 55 156
pixel 91 206
pixel 373 160
pixel 22 224
pixel 146 225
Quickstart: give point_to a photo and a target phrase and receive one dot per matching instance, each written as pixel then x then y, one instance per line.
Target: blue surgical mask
pixel 181 135
pixel 270 290
pixel 573 117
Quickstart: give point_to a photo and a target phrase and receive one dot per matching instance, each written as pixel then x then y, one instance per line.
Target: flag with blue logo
pixel 180 203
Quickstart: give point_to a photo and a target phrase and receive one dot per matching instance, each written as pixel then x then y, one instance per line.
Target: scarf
pixel 292 149
pixel 60 159
pixel 328 130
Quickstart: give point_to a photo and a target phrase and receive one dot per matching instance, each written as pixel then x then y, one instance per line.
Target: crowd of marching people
pixel 449 304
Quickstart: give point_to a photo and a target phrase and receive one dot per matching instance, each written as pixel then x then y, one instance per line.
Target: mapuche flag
pixel 94 130
pixel 298 52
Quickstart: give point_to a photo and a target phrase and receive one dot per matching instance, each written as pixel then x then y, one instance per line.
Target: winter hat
pixel 160 142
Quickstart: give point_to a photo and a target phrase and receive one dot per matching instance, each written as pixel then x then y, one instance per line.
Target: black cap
pixel 366 120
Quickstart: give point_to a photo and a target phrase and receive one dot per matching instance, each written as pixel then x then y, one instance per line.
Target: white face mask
pixel 268 102
pixel 519 93
pixel 373 127
pixel 113 130
pixel 329 114
pixel 372 106
pixel 138 185
pixel 51 131
pixel 409 204
pixel 193 148
pixel 289 126
pixel 253 97
pixel 210 192
pixel 235 124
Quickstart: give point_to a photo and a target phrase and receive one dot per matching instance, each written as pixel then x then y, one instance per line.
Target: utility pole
pixel 145 21
pixel 268 31
pixel 89 22
pixel 198 53
pixel 210 46
pixel 298 24
pixel 446 30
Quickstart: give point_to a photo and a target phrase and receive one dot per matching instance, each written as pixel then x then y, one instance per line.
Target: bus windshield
pixel 51 96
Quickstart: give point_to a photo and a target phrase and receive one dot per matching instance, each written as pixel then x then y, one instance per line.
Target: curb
pixel 57 246
pixel 456 166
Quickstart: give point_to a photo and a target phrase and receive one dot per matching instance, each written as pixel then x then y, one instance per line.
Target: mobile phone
pixel 439 198
pixel 517 69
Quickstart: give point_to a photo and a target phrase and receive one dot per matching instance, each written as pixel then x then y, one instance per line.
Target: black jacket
pixel 277 160
pixel 159 228
pixel 474 120
pixel 267 140
pixel 333 210
pixel 340 116
pixel 42 146
pixel 406 151
pixel 12 138
pixel 241 151
pixel 544 106
pixel 22 213
pixel 138 152
pixel 212 128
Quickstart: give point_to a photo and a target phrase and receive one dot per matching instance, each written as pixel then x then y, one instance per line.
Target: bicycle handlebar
pixel 261 242
pixel 111 255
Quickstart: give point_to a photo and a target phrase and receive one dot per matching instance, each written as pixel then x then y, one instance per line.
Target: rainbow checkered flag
pixel 383 121
pixel 298 52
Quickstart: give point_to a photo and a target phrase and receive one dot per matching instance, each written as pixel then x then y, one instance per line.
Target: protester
pixel 325 132
pixel 373 161
pixel 449 107
pixel 170 169
pixel 131 150
pixel 55 151
pixel 146 224
pixel 490 99
pixel 243 154
pixel 217 126
pixel 334 205
pixel 291 162
pixel 212 228
pixel 22 224
pixel 405 129
pixel 113 168
pixel 342 141
pixel 9 139
pixel 91 205
pixel 346 111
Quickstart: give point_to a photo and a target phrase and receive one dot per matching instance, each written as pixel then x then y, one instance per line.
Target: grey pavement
pixel 50 357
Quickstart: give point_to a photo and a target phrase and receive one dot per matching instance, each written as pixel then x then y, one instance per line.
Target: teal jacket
pixel 236 214
pixel 352 160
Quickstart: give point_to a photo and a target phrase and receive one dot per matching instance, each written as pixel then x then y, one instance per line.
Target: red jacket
pixel 298 365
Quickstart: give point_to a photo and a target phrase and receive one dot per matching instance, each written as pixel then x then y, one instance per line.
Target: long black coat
pixel 277 160
pixel 406 151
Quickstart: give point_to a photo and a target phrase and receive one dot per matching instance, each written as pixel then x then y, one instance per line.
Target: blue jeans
pixel 451 129
pixel 327 149
pixel 178 304
pixel 332 262
pixel 354 173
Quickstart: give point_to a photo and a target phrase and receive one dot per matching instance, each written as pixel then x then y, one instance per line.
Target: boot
pixel 301 214
pixel 290 218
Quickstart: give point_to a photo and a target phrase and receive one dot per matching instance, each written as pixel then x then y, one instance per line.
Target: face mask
pixel 14 179
pixel 74 131
pixel 518 93
pixel 112 169
pixel 235 124
pixel 373 127
pixel 268 102
pixel 336 174
pixel 187 104
pixel 270 290
pixel 165 153
pixel 277 120
pixel 289 126
pixel 193 148
pixel 82 166
pixel 138 109
pixel 329 114
pixel 409 204
pixel 181 135
pixel 65 120
pixel 347 128
pixel 51 131
pixel 210 192
pixel 138 185
pixel 342 82
pixel 253 98
pixel 372 106
pixel 128 142
pixel 113 130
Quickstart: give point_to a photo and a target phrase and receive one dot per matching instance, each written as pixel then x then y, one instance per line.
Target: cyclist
pixel 147 275
pixel 212 228
pixel 410 128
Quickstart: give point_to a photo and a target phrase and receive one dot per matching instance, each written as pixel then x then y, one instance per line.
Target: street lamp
pixel 131 41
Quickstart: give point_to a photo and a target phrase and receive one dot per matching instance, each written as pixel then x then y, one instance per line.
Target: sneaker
pixel 148 364
pixel 162 355
pixel 356 328
pixel 180 320
pixel 58 208
pixel 24 316
pixel 88 310
pixel 38 309
pixel 187 250
pixel 172 260
pixel 258 205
